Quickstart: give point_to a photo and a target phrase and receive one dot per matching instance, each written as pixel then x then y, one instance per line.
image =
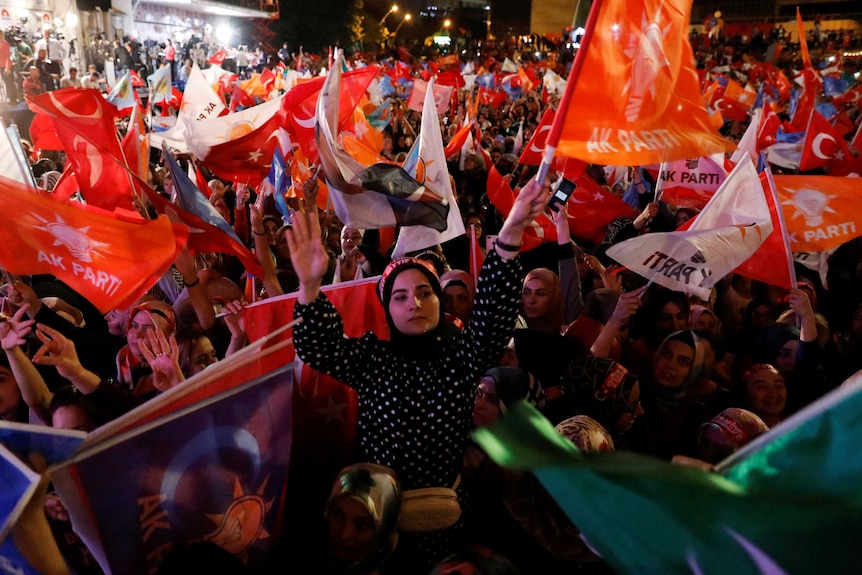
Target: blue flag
pixel 834 86
pixel 213 471
pixel 192 200
pixel 280 180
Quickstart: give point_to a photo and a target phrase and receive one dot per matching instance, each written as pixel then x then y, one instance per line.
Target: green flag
pixel 791 505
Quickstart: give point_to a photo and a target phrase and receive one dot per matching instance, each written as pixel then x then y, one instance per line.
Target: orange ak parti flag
pixel 108 260
pixel 635 99
pixel 822 212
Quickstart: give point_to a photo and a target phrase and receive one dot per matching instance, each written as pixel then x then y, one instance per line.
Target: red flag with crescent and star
pixel 84 121
pixel 823 146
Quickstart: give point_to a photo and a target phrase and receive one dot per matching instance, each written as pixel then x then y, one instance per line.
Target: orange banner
pixel 822 212
pixel 636 99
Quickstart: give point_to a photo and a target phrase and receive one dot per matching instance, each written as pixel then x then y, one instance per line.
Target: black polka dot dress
pixel 415 416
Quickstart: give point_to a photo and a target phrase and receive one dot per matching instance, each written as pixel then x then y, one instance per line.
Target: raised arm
pixel 309 259
pixel 34 390
pixel 60 352
pixel 185 263
pixel 627 304
pixel 567 267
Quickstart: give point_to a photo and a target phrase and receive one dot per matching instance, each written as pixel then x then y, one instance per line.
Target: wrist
pixel 192 283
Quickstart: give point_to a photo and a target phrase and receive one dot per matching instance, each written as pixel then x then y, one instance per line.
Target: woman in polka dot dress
pixel 415 391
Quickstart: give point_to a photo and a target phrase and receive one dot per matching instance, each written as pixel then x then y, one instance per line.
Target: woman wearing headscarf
pixel 416 390
pixel 361 518
pixel 671 417
pixel 605 390
pixel 459 290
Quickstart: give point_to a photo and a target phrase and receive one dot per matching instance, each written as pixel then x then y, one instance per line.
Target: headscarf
pixel 161 314
pixel 586 433
pixel 378 490
pixel 514 383
pixel 727 432
pixel 598 387
pixel 552 321
pixel 417 347
pixel 456 276
pixel 668 397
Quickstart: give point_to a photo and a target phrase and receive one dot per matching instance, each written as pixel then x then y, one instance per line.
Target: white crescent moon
pixel 535 138
pixel 94 159
pixel 719 104
pixel 815 146
pixel 69 113
pixel 307 123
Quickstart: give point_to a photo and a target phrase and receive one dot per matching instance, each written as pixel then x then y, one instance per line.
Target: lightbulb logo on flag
pixel 76 240
pixel 648 59
pixel 810 204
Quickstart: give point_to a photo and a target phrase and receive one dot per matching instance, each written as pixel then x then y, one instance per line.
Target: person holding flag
pixel 416 390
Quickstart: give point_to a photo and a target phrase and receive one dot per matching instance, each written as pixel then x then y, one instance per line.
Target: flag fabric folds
pixel 209 230
pixel 442 95
pixel 822 212
pixel 823 145
pixel 122 95
pixel 109 261
pixel 431 171
pixel 378 196
pixel 160 84
pixel 200 102
pixel 214 471
pixel 645 515
pixel 84 121
pixel 731 227
pixel 638 51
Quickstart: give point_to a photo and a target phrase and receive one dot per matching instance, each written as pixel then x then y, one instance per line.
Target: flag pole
pixel 565 100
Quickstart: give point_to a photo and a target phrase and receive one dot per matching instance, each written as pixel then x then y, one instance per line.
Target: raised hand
pixel 162 355
pixel 18 293
pixel 58 351
pixel 309 259
pixel 14 331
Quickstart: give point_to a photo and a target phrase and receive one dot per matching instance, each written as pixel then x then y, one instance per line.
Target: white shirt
pixel 55 49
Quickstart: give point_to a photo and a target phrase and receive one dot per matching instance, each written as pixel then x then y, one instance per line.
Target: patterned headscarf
pixel 598 387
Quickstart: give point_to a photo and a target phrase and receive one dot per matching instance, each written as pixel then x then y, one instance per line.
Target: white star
pixel 332 411
pixel 598 197
pixel 255 155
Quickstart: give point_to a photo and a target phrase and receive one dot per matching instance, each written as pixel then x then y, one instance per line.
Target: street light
pixel 446 23
pixel 391 10
pixel 405 19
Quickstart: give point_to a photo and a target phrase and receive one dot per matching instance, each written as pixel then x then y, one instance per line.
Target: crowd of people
pixel 612 360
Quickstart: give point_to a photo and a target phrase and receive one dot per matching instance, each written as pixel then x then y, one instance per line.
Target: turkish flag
pixel 535 148
pixel 442 95
pixel 592 208
pixel 298 107
pixel 218 57
pixel 634 95
pixel 767 132
pixel 111 261
pixel 501 195
pixel 823 145
pixel 85 125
